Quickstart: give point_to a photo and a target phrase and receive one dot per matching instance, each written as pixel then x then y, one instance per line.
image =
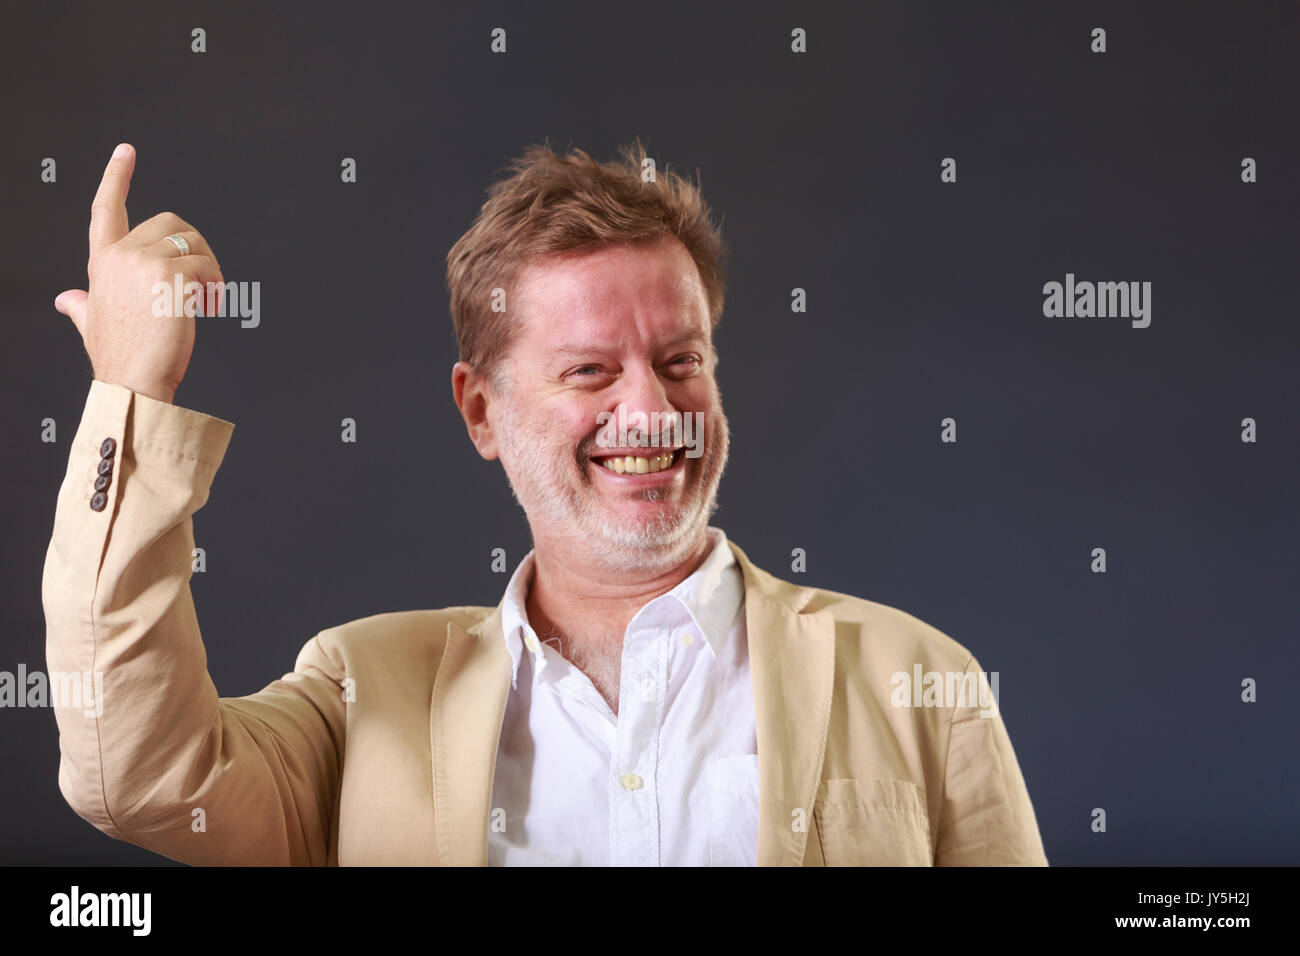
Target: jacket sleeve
pixel 985 817
pixel 148 752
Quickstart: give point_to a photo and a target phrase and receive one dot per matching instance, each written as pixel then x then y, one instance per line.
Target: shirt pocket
pixel 873 822
pixel 732 785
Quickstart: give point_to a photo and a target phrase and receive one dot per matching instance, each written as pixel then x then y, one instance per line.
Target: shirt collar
pixel 712 595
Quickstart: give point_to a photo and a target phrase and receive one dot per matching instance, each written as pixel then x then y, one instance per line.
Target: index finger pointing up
pixel 108 222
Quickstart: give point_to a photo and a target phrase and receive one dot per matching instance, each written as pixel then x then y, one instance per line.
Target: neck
pixel 588 602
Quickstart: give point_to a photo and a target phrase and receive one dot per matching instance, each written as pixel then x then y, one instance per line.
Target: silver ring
pixel 181 244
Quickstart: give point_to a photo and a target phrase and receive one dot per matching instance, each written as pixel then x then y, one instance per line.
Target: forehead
pixel 618 292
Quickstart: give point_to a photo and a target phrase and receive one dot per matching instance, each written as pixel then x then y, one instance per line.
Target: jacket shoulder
pixel 404 629
pixel 882 632
pixel 882 627
pixel 879 633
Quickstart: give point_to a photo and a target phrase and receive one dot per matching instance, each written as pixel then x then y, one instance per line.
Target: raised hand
pixel 128 344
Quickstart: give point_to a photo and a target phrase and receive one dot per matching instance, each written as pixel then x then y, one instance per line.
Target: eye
pixel 685 362
pixel 590 376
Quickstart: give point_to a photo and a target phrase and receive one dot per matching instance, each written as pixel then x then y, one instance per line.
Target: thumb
pixel 73 304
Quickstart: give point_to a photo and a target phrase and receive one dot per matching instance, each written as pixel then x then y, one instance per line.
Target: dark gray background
pixel 1120 690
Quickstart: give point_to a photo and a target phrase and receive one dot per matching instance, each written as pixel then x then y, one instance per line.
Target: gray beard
pixel 656 546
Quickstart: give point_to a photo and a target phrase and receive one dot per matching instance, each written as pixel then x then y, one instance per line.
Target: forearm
pixel 161 744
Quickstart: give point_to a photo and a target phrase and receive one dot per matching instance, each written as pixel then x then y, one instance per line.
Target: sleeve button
pixel 102 482
pixel 105 466
pixel 98 500
pixel 107 448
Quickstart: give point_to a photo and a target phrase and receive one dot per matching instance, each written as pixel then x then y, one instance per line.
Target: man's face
pixel 627 324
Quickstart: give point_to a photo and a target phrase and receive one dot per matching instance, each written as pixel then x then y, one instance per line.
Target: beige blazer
pixel 379 747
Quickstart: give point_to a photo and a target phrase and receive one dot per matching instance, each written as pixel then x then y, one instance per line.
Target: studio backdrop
pixel 1010 343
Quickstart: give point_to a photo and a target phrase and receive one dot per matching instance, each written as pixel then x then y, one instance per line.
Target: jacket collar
pixel 792 668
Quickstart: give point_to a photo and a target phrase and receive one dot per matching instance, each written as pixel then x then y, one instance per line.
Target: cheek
pixel 552 424
pixel 698 394
pixel 701 401
pixel 574 422
pixel 711 428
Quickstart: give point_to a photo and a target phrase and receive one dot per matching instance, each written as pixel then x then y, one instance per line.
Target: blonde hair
pixel 551 204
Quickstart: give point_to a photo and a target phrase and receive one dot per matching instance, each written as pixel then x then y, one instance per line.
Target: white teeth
pixel 638 465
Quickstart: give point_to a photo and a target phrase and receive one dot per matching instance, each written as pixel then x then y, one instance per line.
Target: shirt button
pixel 686 639
pixel 630 781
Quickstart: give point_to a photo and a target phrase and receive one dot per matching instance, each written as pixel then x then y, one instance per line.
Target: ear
pixel 472 393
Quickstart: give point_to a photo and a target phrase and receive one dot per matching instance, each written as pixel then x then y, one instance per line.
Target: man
pixel 642 695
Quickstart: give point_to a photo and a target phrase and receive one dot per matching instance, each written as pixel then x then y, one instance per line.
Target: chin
pixel 659 539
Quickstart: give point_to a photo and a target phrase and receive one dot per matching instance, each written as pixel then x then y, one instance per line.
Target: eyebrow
pixel 579 351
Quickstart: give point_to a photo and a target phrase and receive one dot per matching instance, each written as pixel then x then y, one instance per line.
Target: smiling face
pixel 626 325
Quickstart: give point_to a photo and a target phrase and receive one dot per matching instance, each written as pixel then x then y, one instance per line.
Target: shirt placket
pixel 634 765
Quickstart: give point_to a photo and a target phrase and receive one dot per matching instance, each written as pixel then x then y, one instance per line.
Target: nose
pixel 640 389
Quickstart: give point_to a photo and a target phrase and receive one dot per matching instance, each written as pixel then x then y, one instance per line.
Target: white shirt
pixel 672 780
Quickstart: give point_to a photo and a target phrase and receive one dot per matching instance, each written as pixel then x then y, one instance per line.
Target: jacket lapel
pixel 468 706
pixel 792 667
